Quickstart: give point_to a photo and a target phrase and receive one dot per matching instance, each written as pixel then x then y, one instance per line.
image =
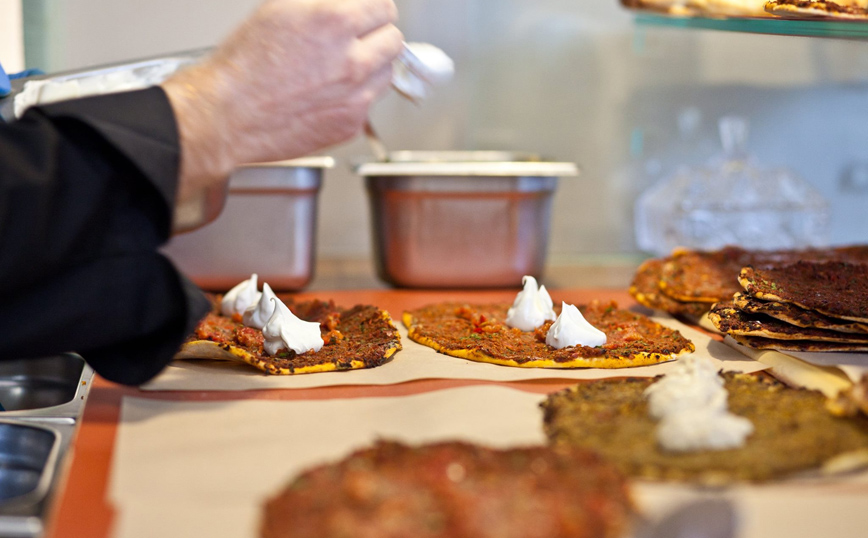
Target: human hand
pixel 297 76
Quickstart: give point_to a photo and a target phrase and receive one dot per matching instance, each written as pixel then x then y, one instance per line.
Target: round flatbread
pixel 705 277
pixel 712 276
pixel 730 320
pixel 793 431
pixel 479 333
pixel 837 289
pixel 359 337
pixel 795 315
pixel 816 9
pixel 454 490
pixel 645 288
pixel 761 342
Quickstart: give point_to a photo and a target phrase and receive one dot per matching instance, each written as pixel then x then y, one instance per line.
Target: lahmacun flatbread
pixel 672 7
pixel 833 288
pixel 454 490
pixel 795 315
pixel 359 337
pixel 704 276
pixel 479 333
pixel 645 288
pixel 731 8
pixel 761 342
pixel 712 276
pixel 817 9
pixel 793 432
pixel 730 320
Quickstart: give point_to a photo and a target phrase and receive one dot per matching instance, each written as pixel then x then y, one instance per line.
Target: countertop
pixel 82 506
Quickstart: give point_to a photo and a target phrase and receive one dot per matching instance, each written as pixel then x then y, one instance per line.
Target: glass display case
pixel 667 212
pixel 773 26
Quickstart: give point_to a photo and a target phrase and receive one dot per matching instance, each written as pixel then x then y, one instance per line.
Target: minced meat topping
pixel 361 333
pixel 455 326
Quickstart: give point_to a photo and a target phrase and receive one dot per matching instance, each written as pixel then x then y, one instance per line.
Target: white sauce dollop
pixel 420 66
pixel 693 383
pixel 240 298
pixel 532 307
pixel 285 331
pixel 572 329
pixel 690 403
pixel 701 429
pixel 257 315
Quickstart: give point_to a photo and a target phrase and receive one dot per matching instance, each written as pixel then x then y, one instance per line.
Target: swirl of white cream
pixel 285 331
pixel 572 329
pixel 532 307
pixel 257 315
pixel 239 298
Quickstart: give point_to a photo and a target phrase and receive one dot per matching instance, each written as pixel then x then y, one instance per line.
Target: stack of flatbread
pixel 801 306
pixel 704 8
pixel 689 282
pixel 819 9
pixel 789 9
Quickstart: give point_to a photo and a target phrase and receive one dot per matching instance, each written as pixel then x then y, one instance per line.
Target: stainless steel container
pixel 30 457
pixel 51 389
pixel 268 227
pixel 461 219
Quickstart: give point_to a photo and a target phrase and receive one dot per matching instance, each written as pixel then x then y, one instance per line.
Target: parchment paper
pixel 827 372
pixel 187 469
pixel 206 468
pixel 420 362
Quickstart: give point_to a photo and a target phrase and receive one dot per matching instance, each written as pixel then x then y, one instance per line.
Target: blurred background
pixel 571 80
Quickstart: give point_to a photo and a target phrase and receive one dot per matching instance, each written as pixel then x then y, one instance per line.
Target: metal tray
pixel 30 456
pixel 48 388
pixel 179 59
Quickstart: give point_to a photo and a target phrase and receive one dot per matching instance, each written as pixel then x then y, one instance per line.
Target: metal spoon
pixel 377 147
pixel 411 80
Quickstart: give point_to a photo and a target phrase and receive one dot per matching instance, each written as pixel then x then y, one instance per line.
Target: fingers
pixel 380 47
pixel 370 15
pixel 381 80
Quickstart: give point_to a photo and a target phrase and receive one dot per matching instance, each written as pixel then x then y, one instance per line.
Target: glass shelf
pixel 792 27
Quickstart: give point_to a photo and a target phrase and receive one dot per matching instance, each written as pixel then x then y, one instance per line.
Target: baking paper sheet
pixel 420 362
pixel 828 372
pixel 206 468
pixel 188 469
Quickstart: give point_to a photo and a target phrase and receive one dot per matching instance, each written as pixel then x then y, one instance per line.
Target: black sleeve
pixel 86 195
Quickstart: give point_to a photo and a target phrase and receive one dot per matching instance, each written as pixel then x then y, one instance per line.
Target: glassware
pixel 731 201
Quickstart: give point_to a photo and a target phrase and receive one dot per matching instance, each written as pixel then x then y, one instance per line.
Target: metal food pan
pixel 268 227
pixel 30 456
pixel 461 219
pixel 51 388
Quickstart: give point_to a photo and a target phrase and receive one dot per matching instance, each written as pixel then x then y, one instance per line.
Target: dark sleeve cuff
pixel 140 359
pixel 126 315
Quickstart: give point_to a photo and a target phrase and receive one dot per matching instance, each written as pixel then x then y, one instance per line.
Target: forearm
pixel 199 98
pixel 296 77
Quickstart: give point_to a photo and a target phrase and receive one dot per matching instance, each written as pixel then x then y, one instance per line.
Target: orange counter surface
pixel 81 508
